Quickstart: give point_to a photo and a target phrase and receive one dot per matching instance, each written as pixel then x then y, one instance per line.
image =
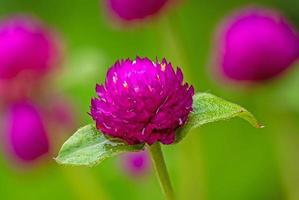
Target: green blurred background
pixel 222 161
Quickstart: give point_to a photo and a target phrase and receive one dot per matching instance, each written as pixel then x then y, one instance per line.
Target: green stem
pixel 191 184
pixel 161 170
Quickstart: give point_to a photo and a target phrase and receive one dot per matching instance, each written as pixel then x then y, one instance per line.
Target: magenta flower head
pixel 256 45
pixel 129 10
pixel 25 47
pixel 25 132
pixel 136 164
pixel 142 101
pixel 140 105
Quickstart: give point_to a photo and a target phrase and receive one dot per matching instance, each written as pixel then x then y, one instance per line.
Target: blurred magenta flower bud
pixel 129 10
pixel 136 164
pixel 26 46
pixel 25 132
pixel 256 45
pixel 142 101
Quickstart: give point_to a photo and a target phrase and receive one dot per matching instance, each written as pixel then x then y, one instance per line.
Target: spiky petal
pixel 142 101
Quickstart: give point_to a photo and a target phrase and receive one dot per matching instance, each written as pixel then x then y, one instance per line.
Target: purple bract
pixel 256 45
pixel 142 101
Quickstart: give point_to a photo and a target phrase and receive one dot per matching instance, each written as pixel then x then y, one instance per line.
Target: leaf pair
pixel 89 147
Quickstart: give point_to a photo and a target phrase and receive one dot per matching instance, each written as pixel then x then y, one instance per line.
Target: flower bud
pixel 256 45
pixel 25 47
pixel 129 10
pixel 136 164
pixel 25 132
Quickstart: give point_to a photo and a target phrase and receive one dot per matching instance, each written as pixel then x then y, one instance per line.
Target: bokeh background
pixel 222 161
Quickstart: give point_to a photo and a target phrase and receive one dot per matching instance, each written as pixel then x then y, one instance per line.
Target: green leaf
pixel 89 147
pixel 208 108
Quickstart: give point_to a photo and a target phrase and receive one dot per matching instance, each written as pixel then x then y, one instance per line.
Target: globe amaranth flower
pixel 135 9
pixel 136 164
pixel 26 46
pixel 142 101
pixel 256 45
pixel 25 132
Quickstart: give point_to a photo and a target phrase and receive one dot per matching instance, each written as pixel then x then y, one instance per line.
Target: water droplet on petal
pixel 158 77
pixel 150 88
pixel 143 131
pixel 106 126
pixel 136 89
pixel 180 121
pixel 125 84
pixel 163 67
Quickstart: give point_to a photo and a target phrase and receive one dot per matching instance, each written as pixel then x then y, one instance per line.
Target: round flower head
pixel 257 45
pixel 142 101
pixel 136 163
pixel 135 9
pixel 25 46
pixel 25 132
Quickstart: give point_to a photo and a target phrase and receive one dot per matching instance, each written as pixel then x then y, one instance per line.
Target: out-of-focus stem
pixel 287 146
pixel 284 137
pixel 191 186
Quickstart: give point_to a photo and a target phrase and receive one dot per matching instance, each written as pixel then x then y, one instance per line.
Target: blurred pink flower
pixel 136 164
pixel 25 132
pixel 256 45
pixel 28 51
pixel 128 10
pixel 25 45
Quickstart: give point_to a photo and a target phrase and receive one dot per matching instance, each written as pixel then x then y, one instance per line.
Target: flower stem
pixel 161 170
